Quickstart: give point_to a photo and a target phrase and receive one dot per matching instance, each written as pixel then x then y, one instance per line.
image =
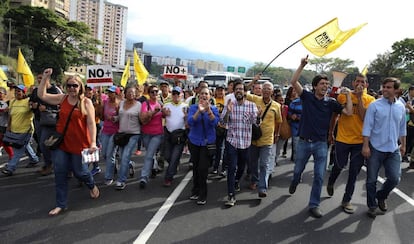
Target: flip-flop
pixel 56 211
pixel 94 193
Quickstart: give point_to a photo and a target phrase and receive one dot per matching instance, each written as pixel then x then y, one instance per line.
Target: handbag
pixel 178 136
pixel 121 138
pixel 211 149
pixel 55 139
pixel 285 131
pixel 256 130
pixel 220 131
pixel 16 140
pixel 48 118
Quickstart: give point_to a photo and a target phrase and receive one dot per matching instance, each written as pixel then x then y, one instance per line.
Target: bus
pixel 219 79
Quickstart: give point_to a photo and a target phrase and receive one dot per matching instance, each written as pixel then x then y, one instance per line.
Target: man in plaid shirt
pixel 239 117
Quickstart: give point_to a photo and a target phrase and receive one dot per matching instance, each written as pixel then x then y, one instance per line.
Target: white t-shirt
pixel 176 119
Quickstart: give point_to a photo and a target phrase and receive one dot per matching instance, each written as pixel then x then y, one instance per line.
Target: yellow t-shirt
pixel 21 116
pixel 273 116
pixel 350 127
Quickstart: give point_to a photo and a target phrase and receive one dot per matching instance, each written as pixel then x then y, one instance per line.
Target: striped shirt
pixel 241 118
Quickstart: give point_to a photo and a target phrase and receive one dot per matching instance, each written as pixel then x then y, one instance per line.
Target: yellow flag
pixel 141 73
pixel 3 76
pixel 327 38
pixel 365 70
pixel 126 74
pixel 24 69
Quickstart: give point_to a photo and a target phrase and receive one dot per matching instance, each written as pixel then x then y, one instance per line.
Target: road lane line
pixel 399 193
pixel 158 217
pixel 395 190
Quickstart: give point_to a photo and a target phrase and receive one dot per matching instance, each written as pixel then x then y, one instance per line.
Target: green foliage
pixel 53 41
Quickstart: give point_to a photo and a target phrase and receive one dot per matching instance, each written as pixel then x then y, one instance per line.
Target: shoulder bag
pixel 256 130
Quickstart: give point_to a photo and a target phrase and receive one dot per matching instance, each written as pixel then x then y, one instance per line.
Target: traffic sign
pixel 230 69
pixel 99 75
pixel 241 69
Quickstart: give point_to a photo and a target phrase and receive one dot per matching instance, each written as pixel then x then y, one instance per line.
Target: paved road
pixel 165 215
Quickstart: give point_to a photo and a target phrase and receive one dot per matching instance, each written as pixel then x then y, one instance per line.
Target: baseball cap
pixel 177 89
pixel 163 82
pixel 222 86
pixel 114 89
pixel 21 87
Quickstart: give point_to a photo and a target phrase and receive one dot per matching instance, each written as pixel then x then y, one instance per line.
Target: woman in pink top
pixel 152 132
pixel 110 127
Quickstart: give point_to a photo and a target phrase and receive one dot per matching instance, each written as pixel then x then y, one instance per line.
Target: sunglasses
pixel 72 85
pixel 154 91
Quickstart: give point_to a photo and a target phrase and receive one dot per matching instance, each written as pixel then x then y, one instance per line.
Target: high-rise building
pixel 61 7
pixel 108 23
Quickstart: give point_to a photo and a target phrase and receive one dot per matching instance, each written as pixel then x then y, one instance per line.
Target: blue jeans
pixel 237 159
pixel 151 143
pixel 18 153
pixel 392 167
pixel 261 164
pixel 319 151
pixel 343 152
pixel 172 154
pixel 63 163
pixel 125 154
pixel 108 152
pixel 295 140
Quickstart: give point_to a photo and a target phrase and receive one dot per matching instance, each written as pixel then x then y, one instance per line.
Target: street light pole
pixel 9 44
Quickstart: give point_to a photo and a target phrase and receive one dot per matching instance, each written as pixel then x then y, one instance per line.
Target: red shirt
pixel 77 134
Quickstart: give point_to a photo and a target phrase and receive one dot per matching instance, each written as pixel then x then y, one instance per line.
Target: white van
pixel 219 79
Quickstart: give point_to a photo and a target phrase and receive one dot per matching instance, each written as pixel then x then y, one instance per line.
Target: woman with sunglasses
pixel 80 134
pixel 152 132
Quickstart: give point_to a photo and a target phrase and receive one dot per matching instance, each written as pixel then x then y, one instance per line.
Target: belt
pixel 304 139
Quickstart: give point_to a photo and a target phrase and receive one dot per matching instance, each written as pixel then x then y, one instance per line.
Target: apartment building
pixel 61 7
pixel 108 23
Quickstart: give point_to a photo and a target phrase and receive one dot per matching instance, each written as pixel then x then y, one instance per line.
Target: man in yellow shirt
pixel 261 163
pixel 348 142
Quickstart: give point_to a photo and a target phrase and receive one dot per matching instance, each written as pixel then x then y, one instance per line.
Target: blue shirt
pixel 203 129
pixel 316 116
pixel 295 107
pixel 384 123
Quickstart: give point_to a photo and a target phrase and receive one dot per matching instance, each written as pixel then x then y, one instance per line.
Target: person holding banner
pixel 318 109
pixel 348 141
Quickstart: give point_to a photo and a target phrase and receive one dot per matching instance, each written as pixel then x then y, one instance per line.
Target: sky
pixel 259 30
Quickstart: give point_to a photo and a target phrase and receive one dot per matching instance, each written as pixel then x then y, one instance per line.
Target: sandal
pixel 56 211
pixel 94 193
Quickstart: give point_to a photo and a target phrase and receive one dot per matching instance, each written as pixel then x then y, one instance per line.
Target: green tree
pixel 52 40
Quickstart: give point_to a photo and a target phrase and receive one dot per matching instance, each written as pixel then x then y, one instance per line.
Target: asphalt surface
pixel 159 214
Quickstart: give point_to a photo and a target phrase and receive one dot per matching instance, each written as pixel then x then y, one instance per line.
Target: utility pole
pixel 9 44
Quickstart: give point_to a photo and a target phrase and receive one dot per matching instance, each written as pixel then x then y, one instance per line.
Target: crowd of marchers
pixel 231 131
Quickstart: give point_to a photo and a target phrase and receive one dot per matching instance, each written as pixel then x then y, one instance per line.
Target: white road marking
pixel 158 217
